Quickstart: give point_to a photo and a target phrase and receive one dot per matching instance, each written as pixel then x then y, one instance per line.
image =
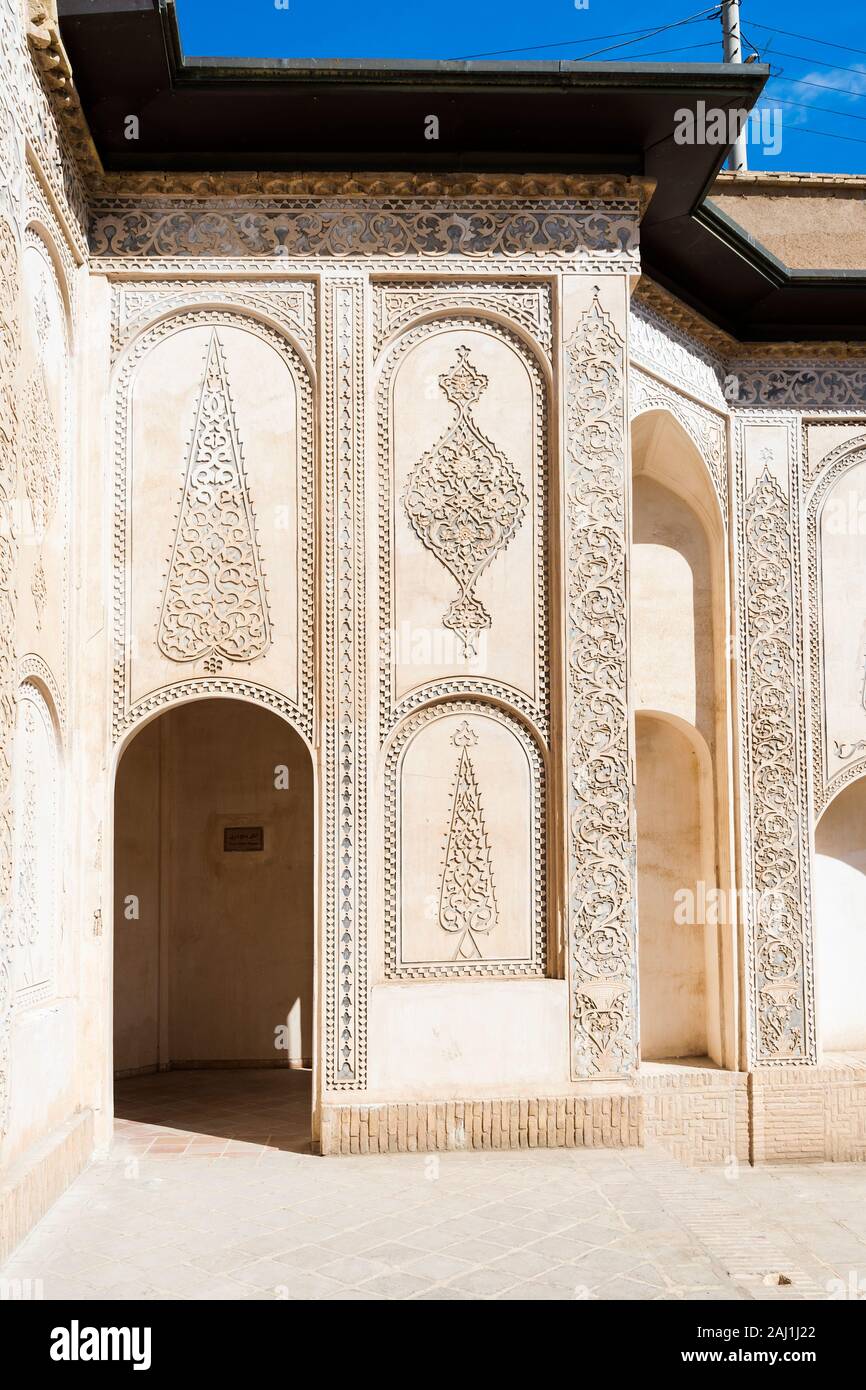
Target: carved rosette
pixel 602 964
pixel 215 606
pixel 465 501
pixel 782 1025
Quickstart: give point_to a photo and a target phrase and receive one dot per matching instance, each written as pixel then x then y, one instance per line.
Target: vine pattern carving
pixel 601 852
pixel 782 1016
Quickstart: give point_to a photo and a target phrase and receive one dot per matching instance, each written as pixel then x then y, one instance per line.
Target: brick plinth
pixel 603 1121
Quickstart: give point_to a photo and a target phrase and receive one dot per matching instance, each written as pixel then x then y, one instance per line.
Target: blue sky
pixel 819 63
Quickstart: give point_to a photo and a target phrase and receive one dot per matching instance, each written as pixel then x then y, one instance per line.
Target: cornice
pixel 329 184
pixel 724 345
pixel 52 63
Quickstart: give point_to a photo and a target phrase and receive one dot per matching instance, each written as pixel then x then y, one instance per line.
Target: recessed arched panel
pixel 35 854
pixel 213 532
pixel 840 920
pixel 463 520
pixel 836 530
pixel 465 858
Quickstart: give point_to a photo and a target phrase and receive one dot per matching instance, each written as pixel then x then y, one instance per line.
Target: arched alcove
pixel 679 626
pixel 675 855
pixel 213 909
pixel 840 920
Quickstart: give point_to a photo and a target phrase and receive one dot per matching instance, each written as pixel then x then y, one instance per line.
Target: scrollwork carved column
pixel 344 734
pixel 600 813
pixel 777 912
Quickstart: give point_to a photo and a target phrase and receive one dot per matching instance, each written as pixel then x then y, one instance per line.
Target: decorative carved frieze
pixel 601 946
pixel 465 856
pixel 495 229
pixel 781 1024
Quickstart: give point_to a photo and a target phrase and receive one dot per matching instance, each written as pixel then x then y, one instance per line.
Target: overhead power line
pixel 647 33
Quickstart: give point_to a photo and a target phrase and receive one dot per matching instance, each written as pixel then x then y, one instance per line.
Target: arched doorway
pixel 213 924
pixel 840 920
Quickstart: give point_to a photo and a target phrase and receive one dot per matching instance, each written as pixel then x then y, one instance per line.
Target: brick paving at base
pixel 210 1192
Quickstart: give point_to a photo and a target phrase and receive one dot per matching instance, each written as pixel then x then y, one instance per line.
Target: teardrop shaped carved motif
pixel 467 897
pixel 465 500
pixel 215 605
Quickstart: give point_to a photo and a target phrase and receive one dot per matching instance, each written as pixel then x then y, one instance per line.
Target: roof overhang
pixel 213 114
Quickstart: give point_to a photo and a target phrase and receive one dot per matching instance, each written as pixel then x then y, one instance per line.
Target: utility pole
pixel 734 54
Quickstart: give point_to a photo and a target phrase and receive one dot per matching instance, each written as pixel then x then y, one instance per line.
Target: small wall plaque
pixel 242 839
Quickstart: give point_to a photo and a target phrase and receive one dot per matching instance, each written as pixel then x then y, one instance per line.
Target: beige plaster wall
pixel 222 954
pixel 819 224
pixel 840 920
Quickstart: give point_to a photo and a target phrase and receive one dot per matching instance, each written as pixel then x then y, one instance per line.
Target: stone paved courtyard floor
pixel 207 1193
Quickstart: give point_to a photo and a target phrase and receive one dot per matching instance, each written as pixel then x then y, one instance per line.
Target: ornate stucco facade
pixel 554 593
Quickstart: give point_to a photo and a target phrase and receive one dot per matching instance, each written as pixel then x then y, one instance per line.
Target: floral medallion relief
pixel 463 520
pixel 215 477
pixel 465 862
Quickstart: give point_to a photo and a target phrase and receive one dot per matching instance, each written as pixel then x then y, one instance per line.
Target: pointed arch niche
pixel 686 910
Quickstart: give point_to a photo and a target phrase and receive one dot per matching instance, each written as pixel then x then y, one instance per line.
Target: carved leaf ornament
pixel 215 605
pixel 465 500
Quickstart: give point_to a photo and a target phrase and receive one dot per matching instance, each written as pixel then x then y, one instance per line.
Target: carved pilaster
pixel 778 946
pixel 345 686
pixel 601 946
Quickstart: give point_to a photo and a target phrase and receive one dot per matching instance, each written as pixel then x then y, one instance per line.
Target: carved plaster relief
pixel 836 549
pixel 214 603
pixel 465 500
pixel 44 473
pixel 35 852
pixel 527 303
pixel 345 751
pixel 465 859
pixel 290 305
pixel 462 476
pixel 601 946
pixel 777 907
pixel 214 472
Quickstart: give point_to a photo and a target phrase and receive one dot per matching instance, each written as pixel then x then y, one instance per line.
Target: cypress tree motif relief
pixel 467 898
pixel 215 606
